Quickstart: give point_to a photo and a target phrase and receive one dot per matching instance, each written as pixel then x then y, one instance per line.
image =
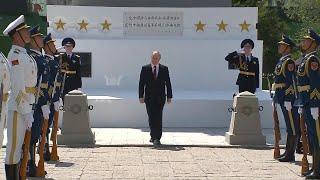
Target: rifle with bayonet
pixel 40 168
pixel 276 126
pixel 304 161
pixel 54 151
pixel 27 138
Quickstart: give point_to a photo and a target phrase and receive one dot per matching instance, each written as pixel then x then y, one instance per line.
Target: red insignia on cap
pixel 15 62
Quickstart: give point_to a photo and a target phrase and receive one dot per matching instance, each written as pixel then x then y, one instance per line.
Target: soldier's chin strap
pixel 53 53
pixel 311 46
pixel 36 43
pixel 21 37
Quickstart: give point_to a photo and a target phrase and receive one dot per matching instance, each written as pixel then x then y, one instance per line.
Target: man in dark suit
pixel 248 78
pixel 154 79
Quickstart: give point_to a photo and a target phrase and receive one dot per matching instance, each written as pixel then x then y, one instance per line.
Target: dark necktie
pixel 248 59
pixel 154 72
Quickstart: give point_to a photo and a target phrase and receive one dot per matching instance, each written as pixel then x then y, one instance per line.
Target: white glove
pixel 315 113
pixel 272 103
pixel 240 51
pixel 28 120
pixel 45 111
pixel 57 105
pixel 300 110
pixel 288 105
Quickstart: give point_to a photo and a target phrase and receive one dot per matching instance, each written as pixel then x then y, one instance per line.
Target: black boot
pixel 316 165
pixel 291 146
pixel 46 153
pixel 285 150
pixel 310 170
pixel 32 168
pixel 12 171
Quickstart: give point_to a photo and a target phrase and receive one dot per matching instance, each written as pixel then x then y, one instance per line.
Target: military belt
pixel 303 88
pixel 5 97
pixel 278 86
pixel 58 84
pixel 68 72
pixel 31 90
pixel 247 73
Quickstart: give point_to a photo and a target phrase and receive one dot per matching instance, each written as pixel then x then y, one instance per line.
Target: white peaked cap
pixel 15 25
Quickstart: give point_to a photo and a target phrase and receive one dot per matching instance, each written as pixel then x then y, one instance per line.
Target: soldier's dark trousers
pixel 36 125
pixel 50 121
pixel 293 122
pixel 311 124
pixel 154 111
pixel 12 171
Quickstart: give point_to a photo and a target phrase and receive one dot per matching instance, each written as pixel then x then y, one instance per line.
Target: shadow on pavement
pixel 64 164
pixel 169 148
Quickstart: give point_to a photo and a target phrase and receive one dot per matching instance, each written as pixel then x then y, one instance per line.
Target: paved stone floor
pixel 201 153
pixel 168 162
pixel 171 136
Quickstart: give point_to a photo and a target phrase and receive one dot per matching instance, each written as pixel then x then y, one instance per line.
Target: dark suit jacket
pixel 151 88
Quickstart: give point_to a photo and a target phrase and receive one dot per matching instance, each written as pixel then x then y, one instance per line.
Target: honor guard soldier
pixel 285 96
pixel 70 67
pixel 23 75
pixel 41 110
pixel 248 78
pixel 55 81
pixel 4 89
pixel 308 78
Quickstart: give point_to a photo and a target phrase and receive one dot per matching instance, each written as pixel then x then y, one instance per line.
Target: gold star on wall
pixel 83 25
pixel 244 26
pixel 60 24
pixel 222 26
pixel 105 25
pixel 200 26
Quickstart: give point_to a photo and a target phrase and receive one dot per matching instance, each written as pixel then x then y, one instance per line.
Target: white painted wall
pixel 202 84
pixel 193 64
pixel 210 16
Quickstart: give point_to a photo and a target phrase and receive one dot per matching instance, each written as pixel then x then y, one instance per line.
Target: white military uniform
pixel 21 99
pixel 5 81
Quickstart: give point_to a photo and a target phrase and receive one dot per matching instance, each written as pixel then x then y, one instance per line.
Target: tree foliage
pixel 277 17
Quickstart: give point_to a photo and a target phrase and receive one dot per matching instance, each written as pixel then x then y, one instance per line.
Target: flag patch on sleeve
pixel 15 62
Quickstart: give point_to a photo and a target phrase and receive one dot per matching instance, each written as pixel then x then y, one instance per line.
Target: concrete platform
pixel 114 108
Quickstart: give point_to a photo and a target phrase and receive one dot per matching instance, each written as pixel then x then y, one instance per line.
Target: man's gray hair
pixel 156 52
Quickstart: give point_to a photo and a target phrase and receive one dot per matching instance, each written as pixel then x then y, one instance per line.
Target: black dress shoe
pixel 156 142
pixel 287 159
pixel 308 172
pixel 151 140
pixel 313 176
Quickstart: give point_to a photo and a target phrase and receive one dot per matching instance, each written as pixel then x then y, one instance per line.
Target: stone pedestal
pixel 76 129
pixel 245 126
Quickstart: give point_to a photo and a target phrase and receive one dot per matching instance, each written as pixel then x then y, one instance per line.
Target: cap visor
pixel 22 27
pixel 38 34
